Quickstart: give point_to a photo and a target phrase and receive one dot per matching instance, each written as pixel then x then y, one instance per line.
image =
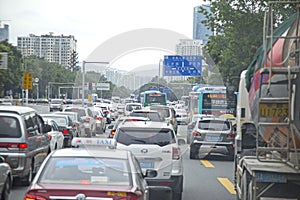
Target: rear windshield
pixel 217 125
pixel 9 127
pixel 152 116
pixel 81 112
pixel 87 170
pixel 61 121
pixel 163 111
pixel 159 137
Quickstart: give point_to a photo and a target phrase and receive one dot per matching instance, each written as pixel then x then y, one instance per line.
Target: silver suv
pixel 212 135
pixel 24 141
pixel 156 147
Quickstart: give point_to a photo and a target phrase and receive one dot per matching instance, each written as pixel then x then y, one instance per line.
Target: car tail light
pixel 231 135
pixel 175 153
pixel 196 133
pixel 66 131
pixel 34 197
pixel 49 137
pixel 99 118
pixel 13 145
pixel 113 132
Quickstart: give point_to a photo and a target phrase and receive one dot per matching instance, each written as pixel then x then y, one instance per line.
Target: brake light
pixel 33 197
pixel 196 133
pixel 231 135
pixel 49 137
pixel 112 132
pixel 175 153
pixel 13 145
pixel 99 118
pixel 66 131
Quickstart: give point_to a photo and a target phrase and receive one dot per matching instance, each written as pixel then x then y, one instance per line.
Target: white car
pixel 56 137
pixel 129 107
pixel 156 147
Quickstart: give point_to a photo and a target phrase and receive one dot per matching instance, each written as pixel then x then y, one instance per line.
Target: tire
pixel 6 189
pixel 177 196
pixel 230 153
pixel 26 180
pixel 194 152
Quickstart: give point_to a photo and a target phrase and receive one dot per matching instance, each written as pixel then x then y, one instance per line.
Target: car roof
pixel 92 152
pixel 54 115
pixel 16 109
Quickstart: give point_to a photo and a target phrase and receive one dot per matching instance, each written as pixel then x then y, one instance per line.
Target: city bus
pixel 153 97
pixel 208 100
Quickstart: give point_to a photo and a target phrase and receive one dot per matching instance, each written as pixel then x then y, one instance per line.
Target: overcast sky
pixel 93 22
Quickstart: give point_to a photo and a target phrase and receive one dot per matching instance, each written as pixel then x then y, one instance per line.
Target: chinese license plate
pixel 213 138
pixel 147 164
pixel 273 110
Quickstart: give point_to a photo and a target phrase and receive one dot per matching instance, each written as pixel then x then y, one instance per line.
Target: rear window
pixel 61 121
pixel 152 116
pixel 161 137
pixel 164 112
pixel 81 112
pixel 217 125
pixel 87 170
pixel 9 127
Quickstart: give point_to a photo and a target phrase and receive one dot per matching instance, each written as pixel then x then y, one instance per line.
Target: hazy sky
pixel 93 22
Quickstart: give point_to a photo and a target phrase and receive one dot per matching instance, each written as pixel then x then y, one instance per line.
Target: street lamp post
pixel 83 76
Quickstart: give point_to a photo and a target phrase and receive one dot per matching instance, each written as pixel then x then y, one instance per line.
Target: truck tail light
pixel 175 153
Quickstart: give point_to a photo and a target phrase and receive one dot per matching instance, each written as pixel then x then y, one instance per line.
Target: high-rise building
pixel 54 48
pixel 200 31
pixel 4 32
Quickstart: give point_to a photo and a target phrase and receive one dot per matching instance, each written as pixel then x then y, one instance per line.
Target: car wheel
pixel 177 196
pixel 230 153
pixel 194 152
pixel 25 181
pixel 6 189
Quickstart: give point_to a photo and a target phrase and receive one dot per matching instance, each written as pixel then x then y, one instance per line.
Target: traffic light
pixel 27 81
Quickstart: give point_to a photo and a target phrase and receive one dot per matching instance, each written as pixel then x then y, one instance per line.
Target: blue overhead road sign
pixel 182 65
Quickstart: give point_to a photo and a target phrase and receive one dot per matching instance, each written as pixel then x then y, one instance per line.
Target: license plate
pixel 147 164
pixel 273 110
pixel 213 138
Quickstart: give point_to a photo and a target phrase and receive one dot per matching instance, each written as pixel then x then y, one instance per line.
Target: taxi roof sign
pixel 98 142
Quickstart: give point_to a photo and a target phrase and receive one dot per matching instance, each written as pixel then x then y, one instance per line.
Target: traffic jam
pixel 136 154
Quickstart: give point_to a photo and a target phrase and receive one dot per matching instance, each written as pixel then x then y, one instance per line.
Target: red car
pixel 91 173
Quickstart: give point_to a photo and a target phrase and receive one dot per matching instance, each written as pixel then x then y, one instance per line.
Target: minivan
pixel 24 142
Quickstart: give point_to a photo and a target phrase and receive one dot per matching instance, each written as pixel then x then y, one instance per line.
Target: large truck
pixel 267 153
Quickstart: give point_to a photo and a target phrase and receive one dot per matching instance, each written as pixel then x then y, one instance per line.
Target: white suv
pixel 156 147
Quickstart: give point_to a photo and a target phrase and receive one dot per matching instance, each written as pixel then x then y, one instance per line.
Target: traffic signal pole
pixel 83 76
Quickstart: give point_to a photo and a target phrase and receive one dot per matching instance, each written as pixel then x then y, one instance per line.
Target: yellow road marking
pixel 207 164
pixel 227 184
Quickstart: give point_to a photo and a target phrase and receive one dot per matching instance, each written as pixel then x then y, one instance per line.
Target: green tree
pixel 238 32
pixel 11 78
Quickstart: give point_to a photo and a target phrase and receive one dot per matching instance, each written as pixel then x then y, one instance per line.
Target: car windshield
pixel 86 170
pixel 55 101
pixel 217 125
pixel 160 137
pixel 9 127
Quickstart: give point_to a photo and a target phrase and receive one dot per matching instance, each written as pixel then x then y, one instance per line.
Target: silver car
pixel 6 179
